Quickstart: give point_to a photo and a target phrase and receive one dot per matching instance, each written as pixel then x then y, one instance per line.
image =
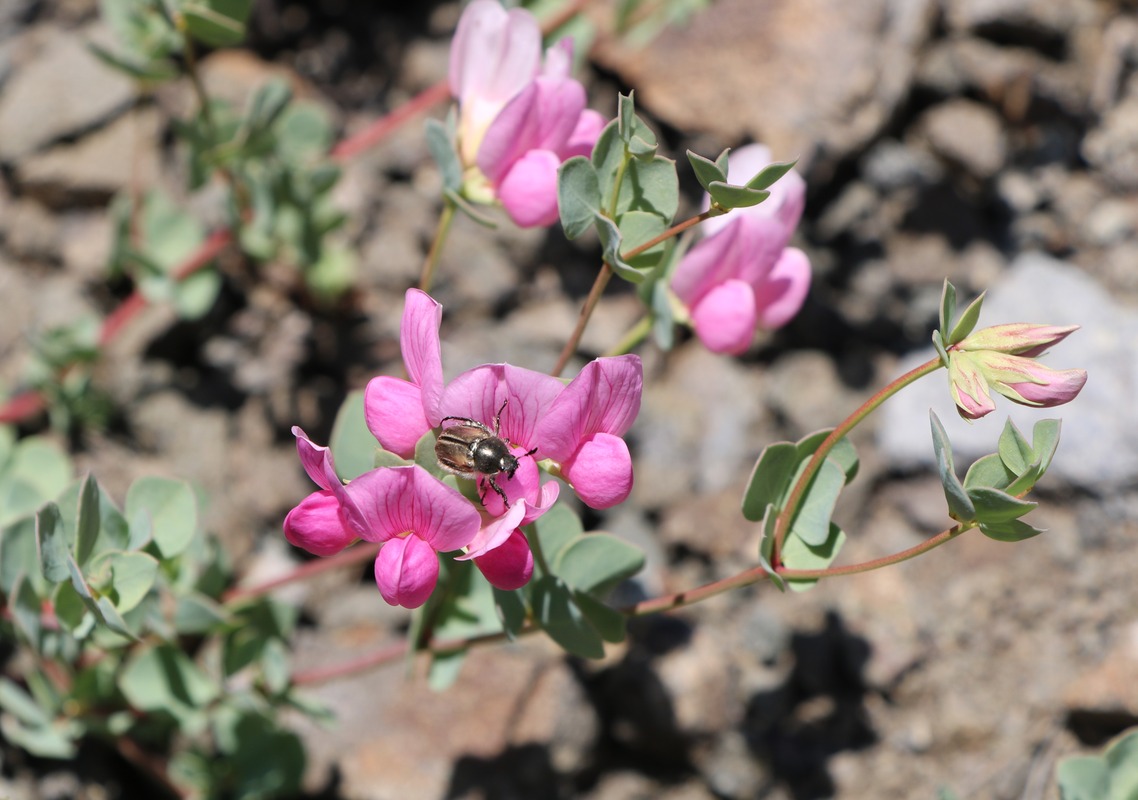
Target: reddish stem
pixel 355 555
pixel 380 128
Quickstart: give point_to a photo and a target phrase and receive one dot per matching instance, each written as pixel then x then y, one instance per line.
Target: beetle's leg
pixel 498 418
pixel 494 485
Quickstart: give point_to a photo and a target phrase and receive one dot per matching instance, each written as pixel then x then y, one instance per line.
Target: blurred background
pixel 992 143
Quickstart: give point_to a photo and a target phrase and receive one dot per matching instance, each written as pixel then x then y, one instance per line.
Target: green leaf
pixel 56 740
pixel 637 228
pixel 18 553
pixel 170 234
pixel 967 322
pixel 275 667
pixel 560 617
pixel 959 506
pixel 770 479
pixel 650 186
pixel 994 506
pixel 162 678
pixel 811 522
pixel 353 446
pixel 596 562
pixel 441 147
pixel 50 544
pixel 217 23
pixel 195 294
pixel 36 472
pixel 797 554
pixel 511 611
pixel 626 116
pixel 113 620
pixel 26 612
pixel 425 455
pixel 706 170
pixel 578 195
pixel 267 105
pixel 843 453
pixel 770 174
pixel 71 611
pixel 133 575
pixel 88 521
pixel 612 244
pixel 990 472
pixel 1121 758
pixel 444 669
pixel 21 705
pixel 1045 441
pixel 555 529
pixel 947 306
pixel 268 762
pixel 1083 778
pixel 333 273
pixel 195 613
pixel 728 196
pixel 172 508
pixel 938 345
pixel 1014 450
pixel 609 622
pixel 1015 530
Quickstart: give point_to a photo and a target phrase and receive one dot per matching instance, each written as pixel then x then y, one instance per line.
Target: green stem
pixel 782 524
pixel 427 275
pixel 636 334
pixel 535 548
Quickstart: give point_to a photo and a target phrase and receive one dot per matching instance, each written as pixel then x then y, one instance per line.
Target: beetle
pixel 471 450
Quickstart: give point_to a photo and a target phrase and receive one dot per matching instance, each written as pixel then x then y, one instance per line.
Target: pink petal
pixel 1062 386
pixel 584 136
pixel 558 62
pixel 395 501
pixel 1018 338
pixel 479 393
pixel 316 526
pixel 601 471
pixel 406 571
pixel 394 413
pixel 494 55
pixel 709 263
pixel 603 398
pixel 969 389
pixel 496 532
pixel 528 191
pixel 726 317
pixel 510 565
pixel 316 460
pixel 422 352
pixel 780 296
pixel 541 117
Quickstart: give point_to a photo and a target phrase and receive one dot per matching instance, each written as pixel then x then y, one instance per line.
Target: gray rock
pixel 58 89
pixel 1039 16
pixel 1112 146
pixel 123 153
pixel 1099 448
pixel 890 165
pixel 969 134
pixel 829 73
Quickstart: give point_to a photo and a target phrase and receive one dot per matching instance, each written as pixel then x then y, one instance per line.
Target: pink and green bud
pixel 1017 338
pixel 1002 359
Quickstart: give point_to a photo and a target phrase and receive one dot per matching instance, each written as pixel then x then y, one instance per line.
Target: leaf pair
pixel 989 496
pixel 813 540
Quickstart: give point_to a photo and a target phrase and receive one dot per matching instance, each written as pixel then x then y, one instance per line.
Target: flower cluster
pixel 743 276
pixel 519 118
pixel 1002 358
pixel 578 427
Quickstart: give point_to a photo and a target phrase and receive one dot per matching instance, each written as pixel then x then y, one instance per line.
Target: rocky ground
pixel 995 143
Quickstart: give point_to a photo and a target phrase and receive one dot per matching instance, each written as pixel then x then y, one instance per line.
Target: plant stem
pixel 636 334
pixel 362 552
pixel 782 524
pixel 602 280
pixel 427 275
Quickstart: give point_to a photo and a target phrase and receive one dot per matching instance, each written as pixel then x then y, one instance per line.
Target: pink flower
pixel 1002 358
pixel 316 525
pixel 416 516
pixel 583 428
pixel 406 508
pixel 518 120
pixel 743 276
